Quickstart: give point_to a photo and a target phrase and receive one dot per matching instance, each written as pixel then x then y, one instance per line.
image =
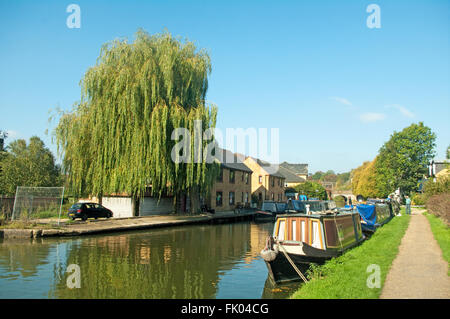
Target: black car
pixel 87 210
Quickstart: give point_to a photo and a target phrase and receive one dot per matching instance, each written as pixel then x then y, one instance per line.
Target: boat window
pixel 294 230
pixel 281 228
pixel 303 231
pixel 315 235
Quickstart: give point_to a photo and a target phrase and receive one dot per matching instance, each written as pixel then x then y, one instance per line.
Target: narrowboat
pixel 310 237
pixel 374 215
pixel 269 210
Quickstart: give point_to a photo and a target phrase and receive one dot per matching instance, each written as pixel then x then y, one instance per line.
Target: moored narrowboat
pixel 374 215
pixel 305 238
pixel 269 211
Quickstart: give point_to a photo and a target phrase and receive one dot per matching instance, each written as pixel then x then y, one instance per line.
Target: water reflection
pixel 203 261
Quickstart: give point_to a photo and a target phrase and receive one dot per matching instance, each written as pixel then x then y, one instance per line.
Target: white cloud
pixel 341 100
pixel 372 117
pixel 402 109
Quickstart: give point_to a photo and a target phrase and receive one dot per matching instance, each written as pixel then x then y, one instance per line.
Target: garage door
pixel 120 206
pixel 151 206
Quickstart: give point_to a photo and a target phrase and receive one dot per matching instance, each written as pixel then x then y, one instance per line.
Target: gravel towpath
pixel 418 271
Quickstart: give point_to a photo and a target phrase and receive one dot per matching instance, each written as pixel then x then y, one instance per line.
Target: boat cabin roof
pixel 317 214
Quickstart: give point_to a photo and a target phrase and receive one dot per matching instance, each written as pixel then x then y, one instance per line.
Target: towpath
pixel 418 271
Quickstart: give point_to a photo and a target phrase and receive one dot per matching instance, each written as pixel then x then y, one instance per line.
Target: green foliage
pixel 28 165
pixel 343 181
pixel 440 186
pixel 418 199
pixel 118 138
pixel 403 160
pixel 345 277
pixel 311 190
pixel 364 180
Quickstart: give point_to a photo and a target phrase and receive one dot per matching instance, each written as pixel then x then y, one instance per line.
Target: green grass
pixel 441 233
pixel 346 277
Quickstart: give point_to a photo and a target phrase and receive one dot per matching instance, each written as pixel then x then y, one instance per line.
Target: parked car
pixel 88 210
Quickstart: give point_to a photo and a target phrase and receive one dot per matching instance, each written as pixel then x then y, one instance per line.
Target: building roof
pixel 296 168
pixel 290 176
pixel 231 160
pixel 437 166
pixel 265 164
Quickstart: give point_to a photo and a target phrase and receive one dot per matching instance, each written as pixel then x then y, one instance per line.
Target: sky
pixel 335 88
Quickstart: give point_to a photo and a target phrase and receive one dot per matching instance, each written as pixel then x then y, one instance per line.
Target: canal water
pixel 198 261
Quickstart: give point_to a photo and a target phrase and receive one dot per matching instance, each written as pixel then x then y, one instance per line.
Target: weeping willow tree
pixel 117 139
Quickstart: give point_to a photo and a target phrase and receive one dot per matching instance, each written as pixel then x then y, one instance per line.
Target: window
pixel 218 198
pixel 260 179
pixel 303 232
pixel 247 179
pixel 281 230
pixel 273 196
pixel 232 175
pixel 220 176
pixel 246 197
pixel 294 230
pixel 273 181
pixel 315 235
pixel 242 199
pixel 231 198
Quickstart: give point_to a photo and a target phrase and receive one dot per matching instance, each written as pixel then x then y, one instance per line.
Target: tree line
pixel 401 162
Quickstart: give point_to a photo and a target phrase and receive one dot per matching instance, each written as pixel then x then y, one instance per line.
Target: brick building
pixel 265 184
pixel 233 185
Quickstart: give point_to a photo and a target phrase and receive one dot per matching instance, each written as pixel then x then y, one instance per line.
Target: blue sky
pixel 335 88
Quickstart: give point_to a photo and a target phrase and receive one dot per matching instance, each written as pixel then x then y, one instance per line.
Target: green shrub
pixel 441 185
pixel 418 199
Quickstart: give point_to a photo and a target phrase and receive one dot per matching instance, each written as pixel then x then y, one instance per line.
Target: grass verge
pixel 441 233
pixel 345 277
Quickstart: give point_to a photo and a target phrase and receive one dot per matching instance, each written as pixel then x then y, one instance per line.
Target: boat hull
pixel 280 269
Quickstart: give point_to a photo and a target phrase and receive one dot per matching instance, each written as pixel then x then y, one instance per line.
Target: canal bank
pixel 89 227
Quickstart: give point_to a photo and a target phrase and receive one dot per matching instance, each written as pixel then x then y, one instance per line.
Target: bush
pixel 442 185
pixel 439 205
pixel 418 199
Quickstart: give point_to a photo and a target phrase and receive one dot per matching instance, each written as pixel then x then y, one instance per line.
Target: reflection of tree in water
pixel 23 256
pixel 182 262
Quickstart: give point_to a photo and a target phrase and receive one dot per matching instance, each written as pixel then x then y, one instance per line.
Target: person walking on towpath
pixel 408 205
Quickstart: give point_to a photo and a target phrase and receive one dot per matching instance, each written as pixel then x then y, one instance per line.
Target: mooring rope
pixel 291 262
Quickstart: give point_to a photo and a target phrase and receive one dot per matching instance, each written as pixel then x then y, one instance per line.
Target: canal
pixel 198 261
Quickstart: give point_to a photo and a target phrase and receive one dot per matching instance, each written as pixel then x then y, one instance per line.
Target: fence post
pixel 14 207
